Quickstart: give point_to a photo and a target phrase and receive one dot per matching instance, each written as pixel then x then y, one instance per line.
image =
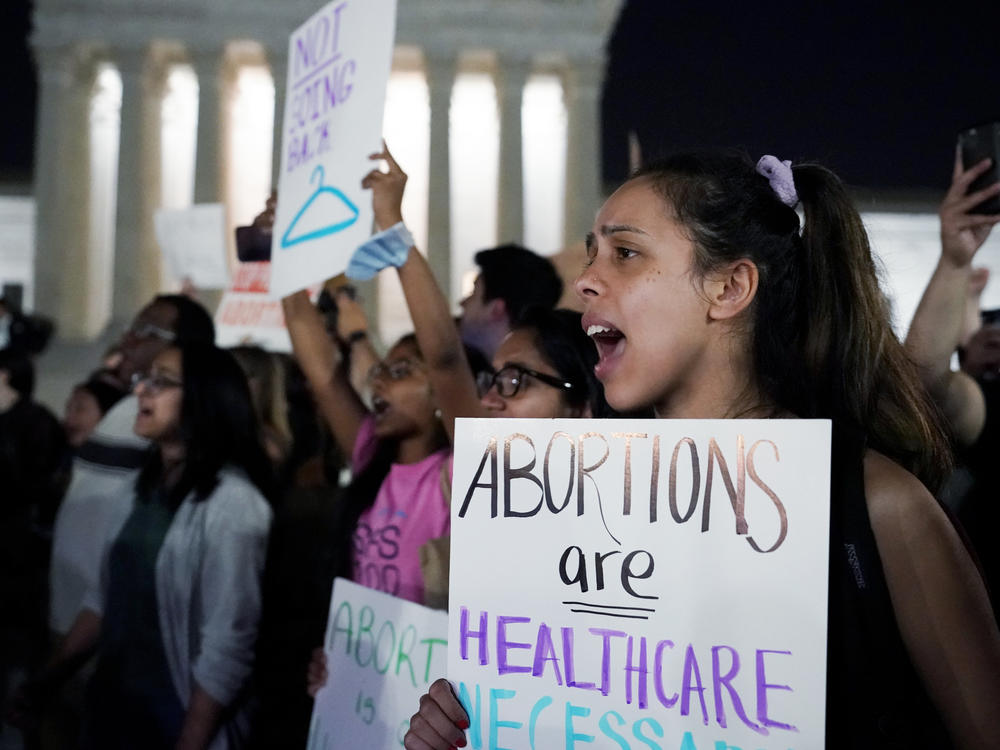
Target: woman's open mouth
pixel 610 343
pixel 379 406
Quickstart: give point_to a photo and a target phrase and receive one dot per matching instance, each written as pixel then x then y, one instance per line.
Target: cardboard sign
pixel 247 314
pixel 382 654
pixel 664 583
pixel 338 67
pixel 193 241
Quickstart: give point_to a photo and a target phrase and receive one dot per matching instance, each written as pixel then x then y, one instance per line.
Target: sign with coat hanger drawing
pixel 338 67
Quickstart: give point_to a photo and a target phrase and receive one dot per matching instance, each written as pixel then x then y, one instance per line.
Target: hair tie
pixel 779 176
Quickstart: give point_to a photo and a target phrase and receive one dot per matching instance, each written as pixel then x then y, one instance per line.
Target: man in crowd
pixel 511 279
pixel 106 464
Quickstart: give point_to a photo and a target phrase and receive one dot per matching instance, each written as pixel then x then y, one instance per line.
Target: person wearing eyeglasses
pixel 104 470
pixel 174 618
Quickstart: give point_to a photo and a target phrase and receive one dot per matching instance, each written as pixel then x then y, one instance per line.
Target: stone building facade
pixel 72 39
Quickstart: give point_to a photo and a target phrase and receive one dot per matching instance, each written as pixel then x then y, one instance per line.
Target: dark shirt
pixel 133 698
pixel 979 510
pixel 875 699
pixel 34 472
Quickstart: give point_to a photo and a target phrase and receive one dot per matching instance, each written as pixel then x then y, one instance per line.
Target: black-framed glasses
pixel 508 380
pixel 396 370
pixel 154 383
pixel 150 331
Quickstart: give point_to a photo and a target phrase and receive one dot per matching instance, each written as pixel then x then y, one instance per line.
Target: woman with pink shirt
pixel 401 453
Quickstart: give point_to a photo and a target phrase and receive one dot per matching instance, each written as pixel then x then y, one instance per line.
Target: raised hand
pixel 387 189
pixel 351 318
pixel 963 233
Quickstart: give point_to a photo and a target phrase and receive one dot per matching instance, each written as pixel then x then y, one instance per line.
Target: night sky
pixel 17 94
pixel 876 90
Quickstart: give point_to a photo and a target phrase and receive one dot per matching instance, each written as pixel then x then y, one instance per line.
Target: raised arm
pixel 337 401
pixel 937 325
pixel 940 602
pixel 448 368
pixel 353 335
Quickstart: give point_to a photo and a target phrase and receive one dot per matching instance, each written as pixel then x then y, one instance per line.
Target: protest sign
pixel 247 314
pixel 193 242
pixel 338 68
pixel 382 653
pixel 664 583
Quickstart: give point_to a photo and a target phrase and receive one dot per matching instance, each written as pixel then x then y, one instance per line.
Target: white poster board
pixel 338 67
pixel 193 242
pixel 247 314
pixel 382 654
pixel 664 583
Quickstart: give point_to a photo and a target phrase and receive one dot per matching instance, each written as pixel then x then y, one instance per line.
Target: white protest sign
pixel 193 241
pixel 248 315
pixel 338 68
pixel 664 583
pixel 382 654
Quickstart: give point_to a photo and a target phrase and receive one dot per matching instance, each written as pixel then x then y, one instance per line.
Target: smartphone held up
pixel 975 144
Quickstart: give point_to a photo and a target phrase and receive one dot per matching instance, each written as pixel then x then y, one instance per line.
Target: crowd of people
pixel 176 535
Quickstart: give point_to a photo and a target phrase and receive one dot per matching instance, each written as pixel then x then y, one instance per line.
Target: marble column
pixel 62 179
pixel 440 71
pixel 582 87
pixel 211 160
pixel 209 179
pixel 278 62
pixel 137 264
pixel 511 75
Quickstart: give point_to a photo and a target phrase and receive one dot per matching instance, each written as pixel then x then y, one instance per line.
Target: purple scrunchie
pixel 779 176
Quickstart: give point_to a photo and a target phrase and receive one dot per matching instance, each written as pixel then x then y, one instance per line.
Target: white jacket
pixel 208 584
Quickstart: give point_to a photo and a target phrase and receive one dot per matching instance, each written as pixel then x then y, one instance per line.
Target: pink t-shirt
pixel 409 510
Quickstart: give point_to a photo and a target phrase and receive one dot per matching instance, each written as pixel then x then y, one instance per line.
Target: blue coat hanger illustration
pixel 289 238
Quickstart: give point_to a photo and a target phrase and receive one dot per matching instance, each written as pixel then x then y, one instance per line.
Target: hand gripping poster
pixel 338 67
pixel 640 584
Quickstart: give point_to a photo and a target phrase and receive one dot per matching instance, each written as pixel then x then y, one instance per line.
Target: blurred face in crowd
pixel 81 417
pixel 160 395
pixel 479 315
pixel 151 332
pixel 513 392
pixel 402 401
pixel 982 353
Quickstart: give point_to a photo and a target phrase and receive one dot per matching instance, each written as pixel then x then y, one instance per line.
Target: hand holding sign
pixel 440 722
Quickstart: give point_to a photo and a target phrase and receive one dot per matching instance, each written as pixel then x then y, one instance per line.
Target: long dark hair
pixel 218 427
pixel 821 336
pixel 562 342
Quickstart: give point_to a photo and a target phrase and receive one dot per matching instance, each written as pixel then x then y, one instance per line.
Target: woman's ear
pixel 731 290
pixel 581 412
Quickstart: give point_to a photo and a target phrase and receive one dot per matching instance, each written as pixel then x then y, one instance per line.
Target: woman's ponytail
pixel 858 366
pixel 821 339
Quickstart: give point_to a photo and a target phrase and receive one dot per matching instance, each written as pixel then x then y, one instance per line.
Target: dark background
pixel 17 93
pixel 875 90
